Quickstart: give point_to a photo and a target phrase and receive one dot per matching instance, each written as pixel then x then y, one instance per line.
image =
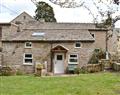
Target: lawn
pixel 83 84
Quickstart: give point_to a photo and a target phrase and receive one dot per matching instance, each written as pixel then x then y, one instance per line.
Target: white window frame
pixel 70 57
pixel 79 43
pixel 27 58
pixel 28 46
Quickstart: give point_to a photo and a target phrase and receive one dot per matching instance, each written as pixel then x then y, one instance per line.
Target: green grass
pixel 84 84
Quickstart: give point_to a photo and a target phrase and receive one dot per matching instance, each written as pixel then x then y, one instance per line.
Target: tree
pixel 45 12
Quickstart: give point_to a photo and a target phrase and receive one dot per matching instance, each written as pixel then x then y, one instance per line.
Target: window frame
pixel 27 58
pixel 28 46
pixel 79 43
pixel 73 58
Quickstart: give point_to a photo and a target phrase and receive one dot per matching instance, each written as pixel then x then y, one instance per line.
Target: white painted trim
pixel 55 60
pixel 73 62
pixel 77 47
pixel 27 58
pixel 61 46
pixel 27 46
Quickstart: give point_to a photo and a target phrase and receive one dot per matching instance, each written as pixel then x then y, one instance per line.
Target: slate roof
pixel 58 25
pixel 52 35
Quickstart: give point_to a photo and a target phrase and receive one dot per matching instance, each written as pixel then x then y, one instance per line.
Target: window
pixel 93 35
pixel 24 17
pixel 77 45
pixel 38 34
pixel 28 45
pixel 59 57
pixel 28 58
pixel 73 59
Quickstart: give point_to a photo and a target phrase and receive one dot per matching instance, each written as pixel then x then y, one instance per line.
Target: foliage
pixel 83 84
pixel 100 11
pixel 7 71
pixel 39 66
pixel 96 56
pixel 81 70
pixel 45 12
pixel 117 2
pixel 19 72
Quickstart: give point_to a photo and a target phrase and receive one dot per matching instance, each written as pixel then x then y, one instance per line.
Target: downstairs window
pixel 28 58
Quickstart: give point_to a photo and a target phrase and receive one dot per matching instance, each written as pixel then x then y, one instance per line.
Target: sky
pixel 9 9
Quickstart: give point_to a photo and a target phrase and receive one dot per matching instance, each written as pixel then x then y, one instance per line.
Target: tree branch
pixel 116 19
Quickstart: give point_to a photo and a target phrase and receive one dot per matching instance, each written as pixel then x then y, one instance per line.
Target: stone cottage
pixel 26 42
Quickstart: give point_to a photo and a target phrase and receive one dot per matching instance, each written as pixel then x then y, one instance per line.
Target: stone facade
pixel 56 34
pixel 100 39
pixel 13 54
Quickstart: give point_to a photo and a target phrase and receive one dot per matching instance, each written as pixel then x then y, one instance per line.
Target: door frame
pixel 54 62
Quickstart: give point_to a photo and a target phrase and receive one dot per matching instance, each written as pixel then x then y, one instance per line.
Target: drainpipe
pixel 107 54
pixel 107 37
pixel 51 58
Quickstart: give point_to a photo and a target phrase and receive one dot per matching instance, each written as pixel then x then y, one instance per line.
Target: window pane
pixel 28 44
pixel 78 45
pixel 28 60
pixel 93 35
pixel 28 55
pixel 73 55
pixel 73 60
pixel 59 57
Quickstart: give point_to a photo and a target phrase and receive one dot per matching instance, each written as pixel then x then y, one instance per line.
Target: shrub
pixel 7 71
pixel 77 71
pixel 81 70
pixel 96 56
pixel 39 66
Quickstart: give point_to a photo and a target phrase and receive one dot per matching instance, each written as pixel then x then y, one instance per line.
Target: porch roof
pixel 59 48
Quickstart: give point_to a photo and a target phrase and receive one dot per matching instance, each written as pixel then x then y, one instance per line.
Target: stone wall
pixel 9 31
pixel 100 39
pixel 22 19
pixel 13 53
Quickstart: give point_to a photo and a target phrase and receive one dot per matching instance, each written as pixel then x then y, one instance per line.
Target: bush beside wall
pixel 7 71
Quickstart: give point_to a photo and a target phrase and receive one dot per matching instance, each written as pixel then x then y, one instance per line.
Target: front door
pixel 59 63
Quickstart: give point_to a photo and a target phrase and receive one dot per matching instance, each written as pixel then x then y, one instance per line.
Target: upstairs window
pixel 28 44
pixel 24 17
pixel 77 45
pixel 28 58
pixel 93 35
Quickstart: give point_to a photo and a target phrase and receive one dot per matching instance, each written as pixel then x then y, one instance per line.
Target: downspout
pixel 51 58
pixel 107 54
